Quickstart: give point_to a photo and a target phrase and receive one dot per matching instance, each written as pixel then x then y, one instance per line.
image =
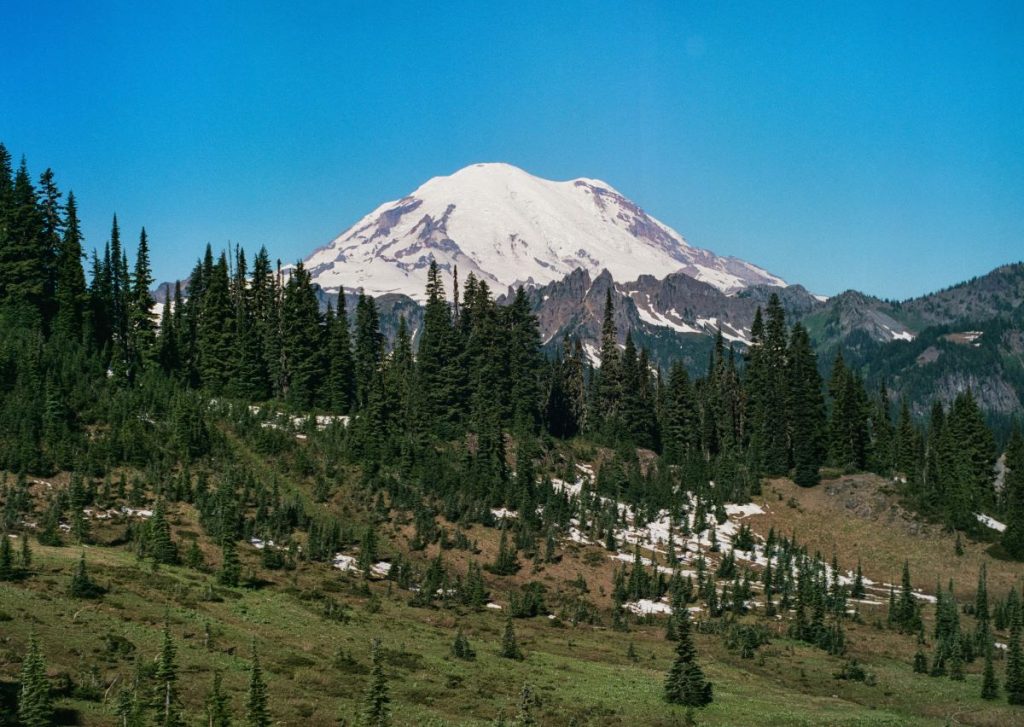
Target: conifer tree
pixel 685 683
pixel 231 569
pixel 509 645
pixel 218 707
pixel 7 571
pixel 1013 487
pixel 989 684
pixel 806 408
pixel 140 304
pixel 166 676
pixel 609 378
pixel 82 586
pixel 376 712
pixel 35 707
pixel 341 376
pixel 71 291
pixel 160 545
pixel 256 714
pixel 1015 661
pixel 302 339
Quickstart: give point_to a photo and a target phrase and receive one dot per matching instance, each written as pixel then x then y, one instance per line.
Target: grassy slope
pixel 579 672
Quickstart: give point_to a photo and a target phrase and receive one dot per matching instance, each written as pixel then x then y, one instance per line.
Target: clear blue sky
pixel 878 146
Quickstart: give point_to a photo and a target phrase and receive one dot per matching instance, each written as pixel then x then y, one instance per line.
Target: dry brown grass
pixel 882 540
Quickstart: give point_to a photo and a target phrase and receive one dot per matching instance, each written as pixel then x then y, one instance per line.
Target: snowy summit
pixel 508 228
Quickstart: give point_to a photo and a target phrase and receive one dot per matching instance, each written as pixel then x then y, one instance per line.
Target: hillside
pixel 317 658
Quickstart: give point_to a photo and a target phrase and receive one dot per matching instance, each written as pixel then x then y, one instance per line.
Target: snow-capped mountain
pixel 508 228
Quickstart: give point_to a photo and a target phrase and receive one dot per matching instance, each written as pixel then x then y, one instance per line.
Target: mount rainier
pixel 511 228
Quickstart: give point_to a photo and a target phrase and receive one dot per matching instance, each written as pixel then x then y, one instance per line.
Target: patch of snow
pixel 990 522
pixel 646 606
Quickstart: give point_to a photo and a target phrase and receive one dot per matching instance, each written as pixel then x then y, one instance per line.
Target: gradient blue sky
pixel 878 146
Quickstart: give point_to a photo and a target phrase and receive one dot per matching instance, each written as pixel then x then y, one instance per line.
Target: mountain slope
pixel 508 228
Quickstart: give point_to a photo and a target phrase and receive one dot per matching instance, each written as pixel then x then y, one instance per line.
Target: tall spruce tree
pixel 35 706
pixel 256 712
pixel 807 409
pixel 685 683
pixel 376 709
pixel 1013 489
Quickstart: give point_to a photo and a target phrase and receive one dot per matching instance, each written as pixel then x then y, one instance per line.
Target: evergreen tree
pixel 989 685
pixel 231 569
pixel 35 708
pixel 376 712
pixel 140 305
pixel 1013 487
pixel 302 340
pixel 341 376
pixel 160 546
pixel 807 408
pixel 71 291
pixel 166 676
pixel 461 648
pixel 1015 662
pixel 509 644
pixel 218 707
pixel 685 683
pixel 256 714
pixel 82 586
pixel 7 571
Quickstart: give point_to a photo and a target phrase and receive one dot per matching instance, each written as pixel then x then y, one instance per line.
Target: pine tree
pixel 26 554
pixel 71 291
pixel 82 586
pixel 509 644
pixel 218 707
pixel 461 648
pixel 166 676
pixel 302 339
pixel 140 305
pixel 7 571
pixel 807 409
pixel 609 378
pixel 160 545
pixel 1015 662
pixel 527 703
pixel 989 685
pixel 376 712
pixel 685 683
pixel 341 376
pixel 231 569
pixel 35 708
pixel 256 714
pixel 1013 487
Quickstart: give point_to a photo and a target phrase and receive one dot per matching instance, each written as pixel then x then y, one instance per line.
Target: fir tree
pixel 1015 662
pixel 1013 487
pixel 231 569
pixel 82 586
pixel 71 290
pixel 166 676
pixel 509 644
pixel 35 708
pixel 218 707
pixel 256 714
pixel 461 648
pixel 376 712
pixel 160 545
pixel 989 685
pixel 685 683
pixel 7 571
